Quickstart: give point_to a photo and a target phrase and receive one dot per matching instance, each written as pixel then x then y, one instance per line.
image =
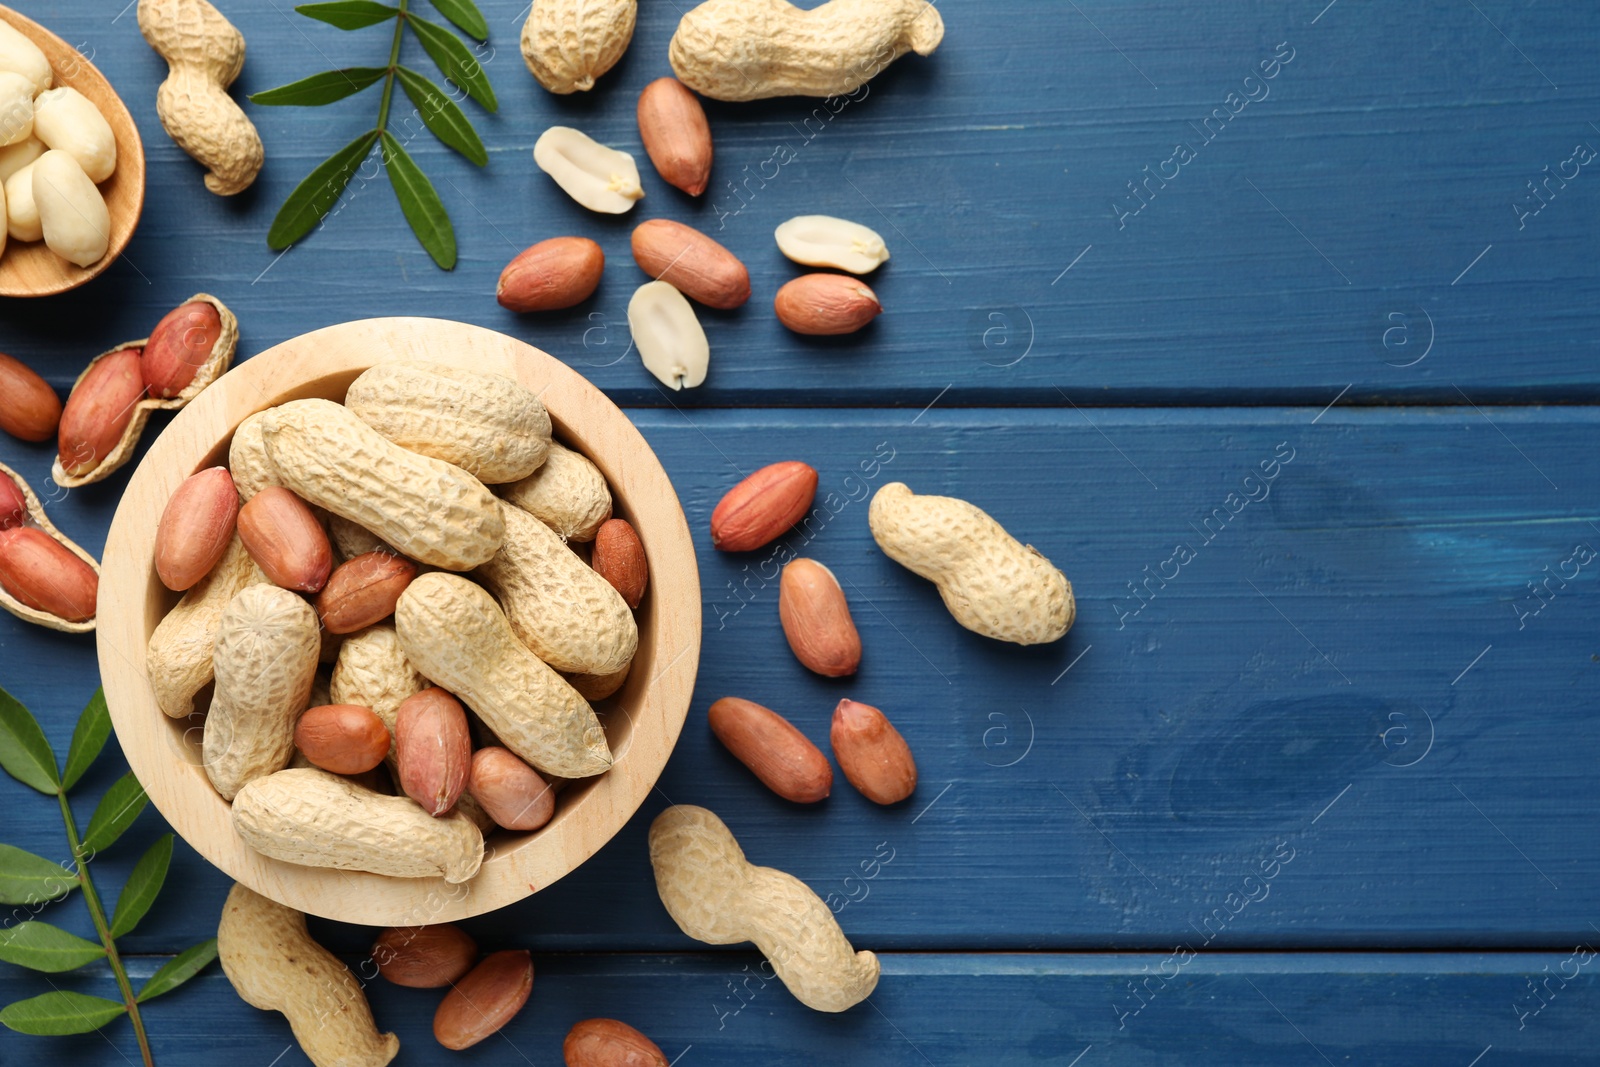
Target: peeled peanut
pixel 433 749
pixel 22 214
pixel 619 558
pixel 67 120
pixel 44 575
pixel 364 591
pixel 21 55
pixel 72 214
pixel 179 346
pixel 510 791
pixel 485 1000
pixel 286 540
pixel 872 754
pixel 669 337
pixel 825 241
pixel 99 410
pixel 16 108
pixel 14 157
pixel 599 178
pixel 424 957
pixel 196 528
pixel 342 738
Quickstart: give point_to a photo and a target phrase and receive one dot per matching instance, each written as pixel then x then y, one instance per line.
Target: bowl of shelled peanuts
pixel 399 621
pixel 71 164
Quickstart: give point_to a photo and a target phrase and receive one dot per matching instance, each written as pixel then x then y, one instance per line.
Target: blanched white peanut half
pixel 66 119
pixel 567 494
pixel 22 56
pixel 22 214
pixel 455 634
pixel 72 213
pixel 274 965
pixel 824 241
pixel 307 816
pixel 16 108
pixel 668 336
pixel 600 178
pixel 14 157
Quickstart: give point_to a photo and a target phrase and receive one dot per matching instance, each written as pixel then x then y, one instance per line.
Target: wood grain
pixel 31 269
pixel 642 721
pixel 723 1008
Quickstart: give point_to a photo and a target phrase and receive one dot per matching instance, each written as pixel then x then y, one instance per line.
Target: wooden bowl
pixel 32 269
pixel 642 721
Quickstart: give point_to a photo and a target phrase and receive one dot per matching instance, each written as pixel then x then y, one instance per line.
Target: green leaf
pixel 315 196
pixel 24 752
pixel 142 886
pixel 42 947
pixel 94 726
pixel 320 89
pixel 115 813
pixel 178 970
pixel 29 879
pixel 465 14
pixel 421 204
pixel 458 64
pixel 442 116
pixel 61 1012
pixel 349 14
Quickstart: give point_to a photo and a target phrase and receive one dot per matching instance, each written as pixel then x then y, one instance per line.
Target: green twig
pixel 394 64
pixel 91 897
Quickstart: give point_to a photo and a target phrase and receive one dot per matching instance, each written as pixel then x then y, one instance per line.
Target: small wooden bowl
pixel 642 720
pixel 32 269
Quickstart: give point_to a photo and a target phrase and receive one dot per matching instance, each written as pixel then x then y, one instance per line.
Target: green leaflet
pixel 349 14
pixel 115 813
pixel 29 879
pixel 420 202
pixel 458 64
pixel 465 14
pixel 61 1012
pixel 42 947
pixel 178 970
pixel 24 752
pixel 315 196
pixel 88 738
pixel 320 89
pixel 442 116
pixel 142 886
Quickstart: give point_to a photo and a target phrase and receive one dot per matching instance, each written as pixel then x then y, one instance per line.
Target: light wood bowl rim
pixel 655 699
pixel 31 269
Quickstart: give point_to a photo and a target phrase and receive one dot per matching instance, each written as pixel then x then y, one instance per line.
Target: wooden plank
pixel 1346 721
pixel 1366 223
pixel 720 1008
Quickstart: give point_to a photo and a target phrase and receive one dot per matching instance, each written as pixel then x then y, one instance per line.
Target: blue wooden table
pixel 1309 781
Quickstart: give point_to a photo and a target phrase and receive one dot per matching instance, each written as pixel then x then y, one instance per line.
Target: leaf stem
pixel 98 913
pixel 394 63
